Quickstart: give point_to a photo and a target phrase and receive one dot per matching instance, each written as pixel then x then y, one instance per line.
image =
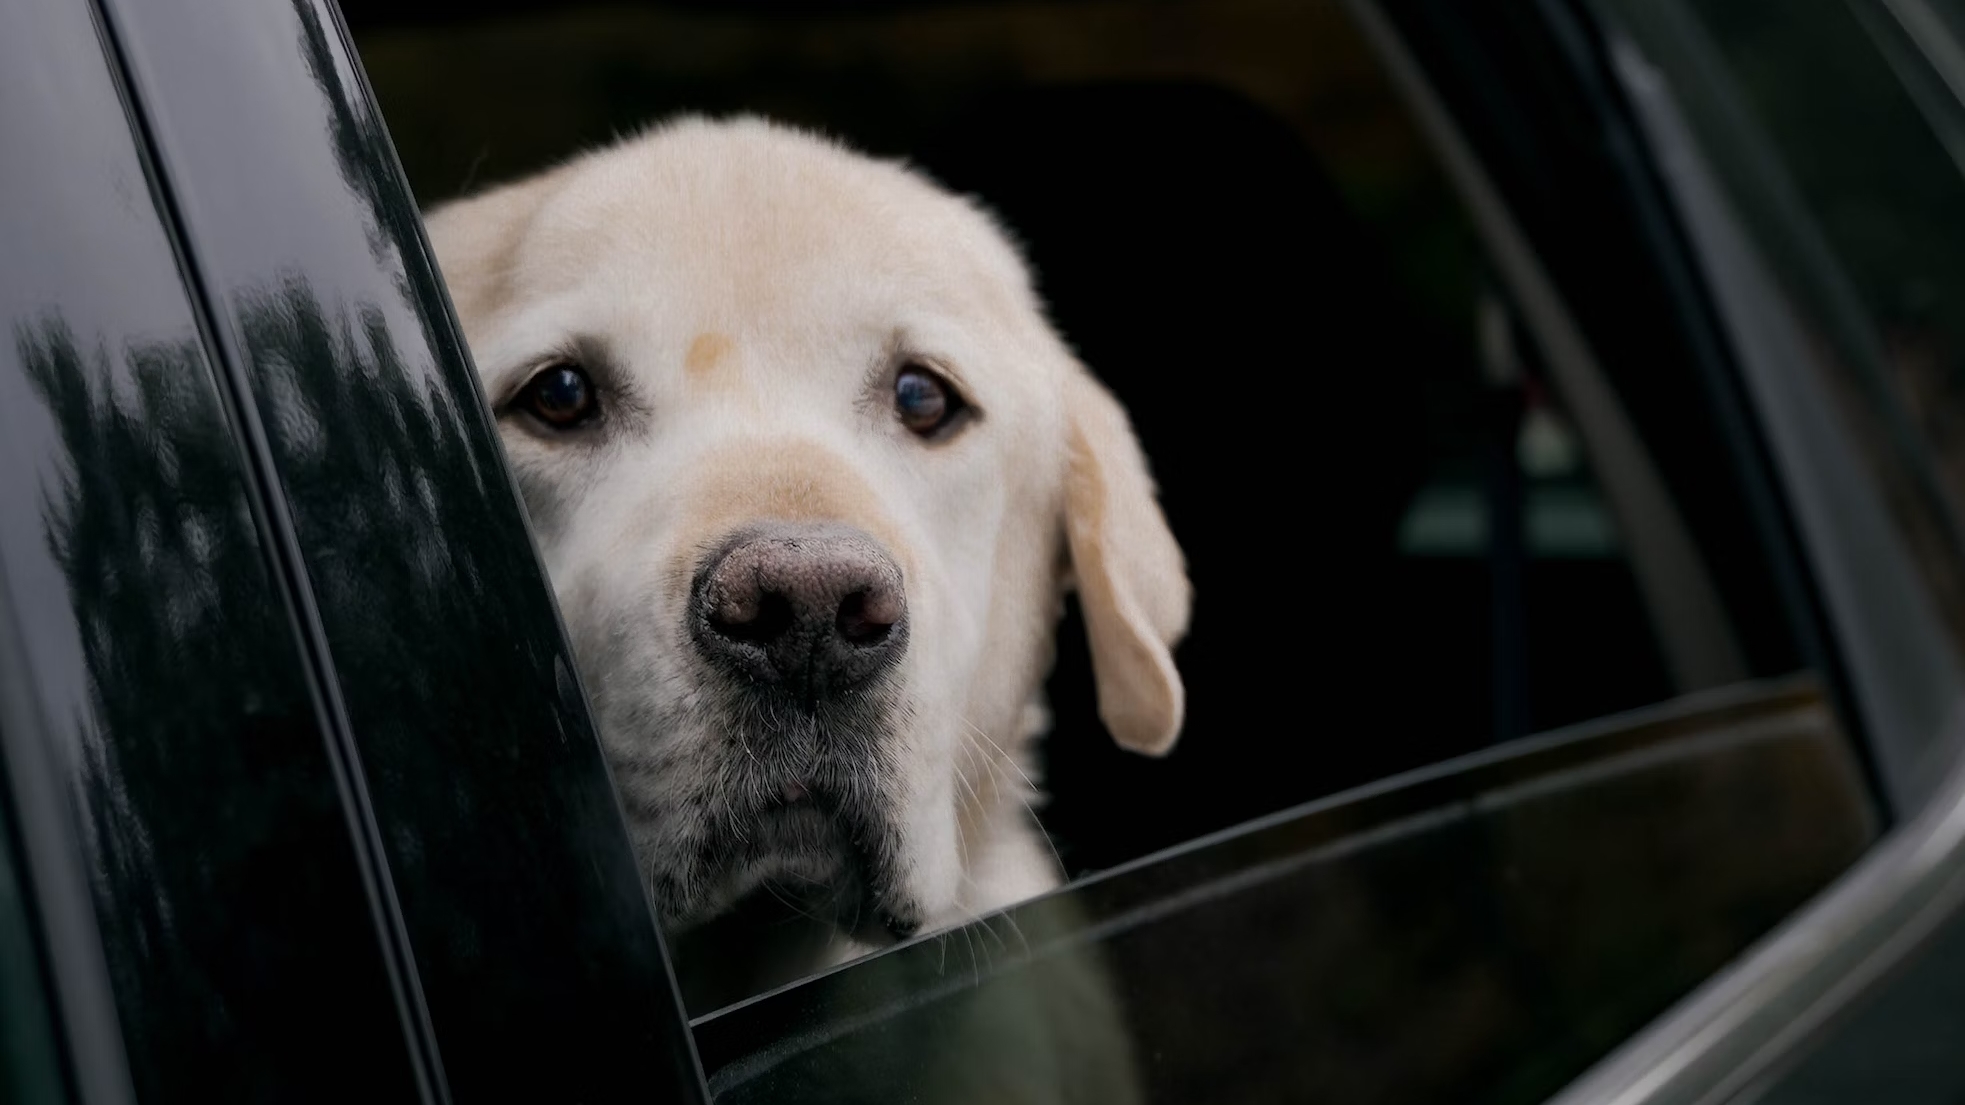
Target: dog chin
pixel 794 852
pixel 806 856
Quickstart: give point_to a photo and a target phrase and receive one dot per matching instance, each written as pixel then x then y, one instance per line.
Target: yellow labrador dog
pixel 811 474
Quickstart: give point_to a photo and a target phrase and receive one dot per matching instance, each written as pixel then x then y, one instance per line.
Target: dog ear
pixel 1131 577
pixel 475 237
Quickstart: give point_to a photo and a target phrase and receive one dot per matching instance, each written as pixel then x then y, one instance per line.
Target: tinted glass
pixel 1824 132
pixel 1849 101
pixel 1814 149
pixel 1447 936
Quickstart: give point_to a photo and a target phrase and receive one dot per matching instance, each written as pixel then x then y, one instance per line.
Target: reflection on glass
pixel 524 916
pixel 222 860
pixel 1821 121
pixel 160 654
pixel 1476 932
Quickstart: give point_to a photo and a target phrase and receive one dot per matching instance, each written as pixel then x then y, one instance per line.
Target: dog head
pixel 810 473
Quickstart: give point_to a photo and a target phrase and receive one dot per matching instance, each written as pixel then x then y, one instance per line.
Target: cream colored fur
pixel 745 280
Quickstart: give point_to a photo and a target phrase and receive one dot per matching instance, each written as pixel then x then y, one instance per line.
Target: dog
pixel 811 474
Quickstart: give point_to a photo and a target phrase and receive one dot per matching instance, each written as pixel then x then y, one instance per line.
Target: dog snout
pixel 815 611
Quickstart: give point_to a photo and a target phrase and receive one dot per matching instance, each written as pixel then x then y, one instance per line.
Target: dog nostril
pixel 813 612
pixel 866 618
pixel 770 617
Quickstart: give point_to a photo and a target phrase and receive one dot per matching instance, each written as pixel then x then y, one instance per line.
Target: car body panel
pixel 339 710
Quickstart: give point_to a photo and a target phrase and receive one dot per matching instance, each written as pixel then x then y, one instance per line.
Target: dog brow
pixel 901 346
pixel 705 353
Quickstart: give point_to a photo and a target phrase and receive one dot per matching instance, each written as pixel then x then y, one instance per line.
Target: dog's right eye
pixel 924 401
pixel 561 396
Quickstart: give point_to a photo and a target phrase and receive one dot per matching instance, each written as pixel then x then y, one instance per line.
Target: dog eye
pixel 562 397
pixel 924 402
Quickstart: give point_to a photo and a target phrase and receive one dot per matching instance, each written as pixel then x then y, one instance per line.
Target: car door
pixel 302 795
pixel 302 800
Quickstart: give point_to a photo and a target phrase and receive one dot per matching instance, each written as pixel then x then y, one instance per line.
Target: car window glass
pixel 1474 626
pixel 1831 122
pixel 1819 214
pixel 1896 1043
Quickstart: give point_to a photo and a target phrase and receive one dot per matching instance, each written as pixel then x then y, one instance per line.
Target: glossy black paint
pixel 323 755
pixel 158 671
pixel 534 952
pixel 31 1060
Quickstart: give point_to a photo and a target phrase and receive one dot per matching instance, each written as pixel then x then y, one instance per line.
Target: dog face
pixel 810 473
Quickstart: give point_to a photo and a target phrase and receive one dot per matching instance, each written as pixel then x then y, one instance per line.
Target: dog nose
pixel 815 610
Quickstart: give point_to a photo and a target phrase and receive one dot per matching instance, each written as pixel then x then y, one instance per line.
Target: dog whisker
pixel 989 749
pixel 1018 929
pixel 989 926
pixel 975 965
pixel 794 906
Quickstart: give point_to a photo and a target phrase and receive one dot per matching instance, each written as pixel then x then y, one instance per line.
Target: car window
pixel 1811 153
pixel 1852 133
pixel 1833 208
pixel 1502 733
pixel 1440 937
pixel 1409 422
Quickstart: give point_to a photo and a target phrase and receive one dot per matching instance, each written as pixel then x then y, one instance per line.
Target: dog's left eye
pixel 562 397
pixel 924 400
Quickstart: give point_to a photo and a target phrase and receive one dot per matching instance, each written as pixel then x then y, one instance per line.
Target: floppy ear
pixel 1131 577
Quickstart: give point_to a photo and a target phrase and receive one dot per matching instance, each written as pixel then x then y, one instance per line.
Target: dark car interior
pixel 1259 260
pixel 1415 541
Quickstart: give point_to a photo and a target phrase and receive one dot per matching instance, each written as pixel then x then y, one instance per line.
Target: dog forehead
pixel 756 216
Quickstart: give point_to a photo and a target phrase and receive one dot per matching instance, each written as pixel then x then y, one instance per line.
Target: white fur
pixel 801 265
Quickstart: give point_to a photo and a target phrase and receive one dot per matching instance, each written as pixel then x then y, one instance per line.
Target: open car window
pixel 1507 724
